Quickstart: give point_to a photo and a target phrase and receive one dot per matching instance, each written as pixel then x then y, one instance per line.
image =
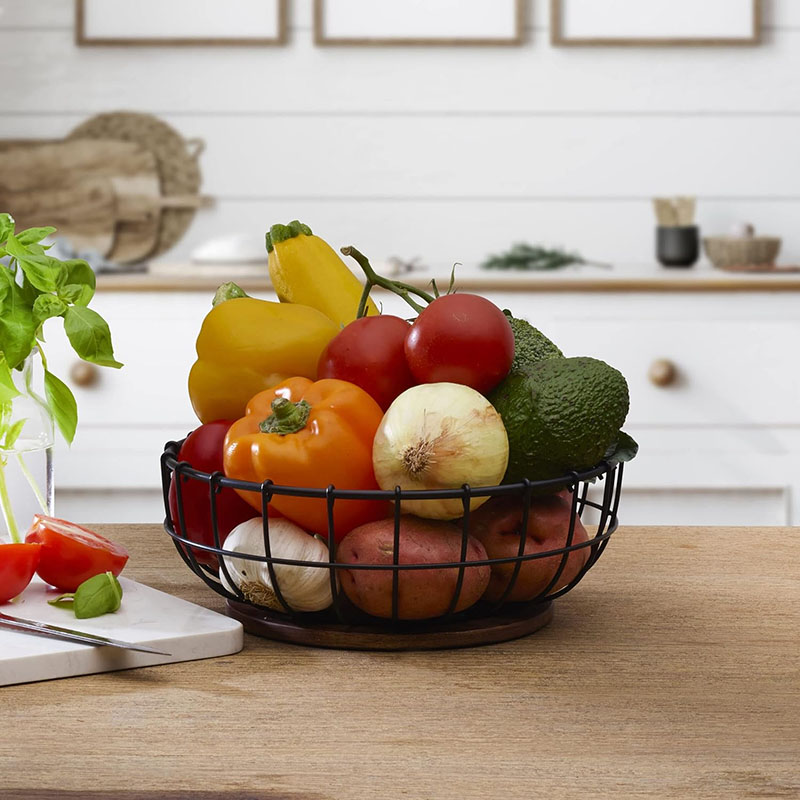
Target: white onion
pixel 440 436
pixel 303 588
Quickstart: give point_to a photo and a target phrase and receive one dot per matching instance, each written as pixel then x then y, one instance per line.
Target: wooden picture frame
pixel 515 37
pixel 85 38
pixel 561 37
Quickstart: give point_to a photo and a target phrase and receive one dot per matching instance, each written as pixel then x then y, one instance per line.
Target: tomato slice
pixel 18 562
pixel 72 554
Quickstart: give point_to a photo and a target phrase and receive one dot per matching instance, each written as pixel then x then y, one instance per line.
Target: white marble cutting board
pixel 147 616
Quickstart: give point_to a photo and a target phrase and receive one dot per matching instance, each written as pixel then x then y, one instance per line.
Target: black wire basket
pixel 343 625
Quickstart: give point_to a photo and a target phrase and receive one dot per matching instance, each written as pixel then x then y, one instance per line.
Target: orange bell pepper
pixel 309 434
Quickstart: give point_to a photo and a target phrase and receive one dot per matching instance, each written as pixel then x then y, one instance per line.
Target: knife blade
pixel 43 628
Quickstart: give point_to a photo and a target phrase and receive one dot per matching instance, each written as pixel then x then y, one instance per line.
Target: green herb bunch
pixel 35 287
pixel 535 257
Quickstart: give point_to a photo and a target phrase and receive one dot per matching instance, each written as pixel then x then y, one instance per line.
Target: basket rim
pixel 267 488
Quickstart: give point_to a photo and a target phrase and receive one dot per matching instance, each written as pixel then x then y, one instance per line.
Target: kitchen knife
pixel 15 623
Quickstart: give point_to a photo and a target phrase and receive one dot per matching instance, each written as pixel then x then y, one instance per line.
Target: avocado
pixel 561 414
pixel 530 345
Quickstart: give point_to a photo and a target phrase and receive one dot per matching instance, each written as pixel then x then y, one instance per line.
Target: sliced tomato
pixel 18 562
pixel 72 554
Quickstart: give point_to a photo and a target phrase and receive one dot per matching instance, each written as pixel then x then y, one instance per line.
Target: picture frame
pixel 654 23
pixel 169 23
pixel 389 23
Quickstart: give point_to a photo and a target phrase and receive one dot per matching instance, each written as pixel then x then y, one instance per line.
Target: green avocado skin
pixel 530 344
pixel 561 414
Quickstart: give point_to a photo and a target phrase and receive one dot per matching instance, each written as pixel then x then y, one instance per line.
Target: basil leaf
pixel 7 389
pixel 101 594
pixel 27 292
pixel 62 405
pixel 17 326
pixel 46 306
pixel 6 227
pixel 89 336
pixel 76 283
pixel 12 434
pixel 623 450
pixel 41 271
pixel 34 235
pixel 38 249
pixel 75 295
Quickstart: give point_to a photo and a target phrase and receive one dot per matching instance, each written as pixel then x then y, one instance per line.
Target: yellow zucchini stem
pixel 403 290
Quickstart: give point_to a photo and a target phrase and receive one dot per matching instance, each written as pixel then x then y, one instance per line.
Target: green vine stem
pixel 403 290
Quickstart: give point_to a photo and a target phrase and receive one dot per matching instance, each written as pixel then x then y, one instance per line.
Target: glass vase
pixel 26 456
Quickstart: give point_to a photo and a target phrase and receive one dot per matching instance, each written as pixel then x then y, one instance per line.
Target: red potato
pixel 497 525
pixel 423 593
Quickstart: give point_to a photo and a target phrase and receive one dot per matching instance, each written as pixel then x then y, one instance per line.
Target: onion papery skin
pixel 440 436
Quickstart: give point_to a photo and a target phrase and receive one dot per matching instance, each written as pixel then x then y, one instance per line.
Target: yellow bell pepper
pixel 306 269
pixel 246 346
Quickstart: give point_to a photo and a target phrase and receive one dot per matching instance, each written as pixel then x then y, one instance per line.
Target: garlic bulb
pixel 440 436
pixel 742 230
pixel 303 588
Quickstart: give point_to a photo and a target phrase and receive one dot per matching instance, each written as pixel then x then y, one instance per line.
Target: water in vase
pixel 26 457
pixel 29 483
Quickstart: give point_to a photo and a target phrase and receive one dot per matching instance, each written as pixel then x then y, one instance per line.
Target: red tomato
pixel 72 554
pixel 203 450
pixel 18 562
pixel 461 338
pixel 369 352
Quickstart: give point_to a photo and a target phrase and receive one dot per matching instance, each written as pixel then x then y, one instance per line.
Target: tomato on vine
pixel 457 338
pixel 369 352
pixel 461 338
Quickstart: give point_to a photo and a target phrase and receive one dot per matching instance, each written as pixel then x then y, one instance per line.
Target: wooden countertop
pixel 672 671
pixel 654 280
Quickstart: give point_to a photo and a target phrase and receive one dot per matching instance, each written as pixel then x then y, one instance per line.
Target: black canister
pixel 677 246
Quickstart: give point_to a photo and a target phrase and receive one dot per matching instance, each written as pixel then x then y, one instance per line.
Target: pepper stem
pixel 287 417
pixel 403 290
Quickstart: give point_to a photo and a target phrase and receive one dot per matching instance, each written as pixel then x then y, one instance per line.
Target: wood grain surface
pixel 659 283
pixel 672 671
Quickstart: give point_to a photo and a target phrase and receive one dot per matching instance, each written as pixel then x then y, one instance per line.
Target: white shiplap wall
pixel 444 153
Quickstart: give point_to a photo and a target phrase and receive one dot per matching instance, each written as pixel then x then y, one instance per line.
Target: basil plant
pixel 35 287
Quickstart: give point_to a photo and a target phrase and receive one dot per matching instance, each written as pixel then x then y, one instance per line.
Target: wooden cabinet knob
pixel 662 372
pixel 84 374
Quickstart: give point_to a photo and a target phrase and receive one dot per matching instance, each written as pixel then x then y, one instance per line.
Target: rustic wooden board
pixel 75 186
pixel 672 671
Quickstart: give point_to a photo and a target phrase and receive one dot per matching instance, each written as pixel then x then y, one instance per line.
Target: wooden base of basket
pixel 502 627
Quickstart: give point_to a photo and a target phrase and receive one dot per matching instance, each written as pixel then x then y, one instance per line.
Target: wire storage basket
pixel 343 625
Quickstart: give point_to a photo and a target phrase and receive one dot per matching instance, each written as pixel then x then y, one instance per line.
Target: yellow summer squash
pixel 306 269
